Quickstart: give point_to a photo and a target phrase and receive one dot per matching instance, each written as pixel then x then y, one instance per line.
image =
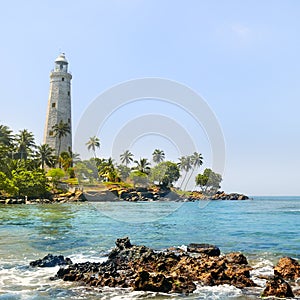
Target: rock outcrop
pixel 142 268
pixel 51 261
pixel 220 195
pixel 287 268
pixel 277 287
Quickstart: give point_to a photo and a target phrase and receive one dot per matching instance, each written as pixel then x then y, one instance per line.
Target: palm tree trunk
pixel 58 152
pixel 183 180
pixel 189 178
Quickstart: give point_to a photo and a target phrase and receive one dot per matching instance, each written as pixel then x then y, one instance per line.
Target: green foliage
pixel 30 183
pixel 65 160
pixel 72 181
pixel 124 172
pixel 25 143
pixel 165 173
pixel 107 170
pixel 209 181
pixel 71 173
pixel 61 130
pixel 142 166
pixel 45 156
pixel 6 185
pixel 6 138
pixel 139 178
pixel 86 171
pixel 55 175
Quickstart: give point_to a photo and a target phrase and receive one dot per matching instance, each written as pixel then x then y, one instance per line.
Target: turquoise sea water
pixel 264 229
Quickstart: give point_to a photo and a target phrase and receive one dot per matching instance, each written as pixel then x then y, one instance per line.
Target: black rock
pixel 207 249
pixel 123 243
pixel 51 261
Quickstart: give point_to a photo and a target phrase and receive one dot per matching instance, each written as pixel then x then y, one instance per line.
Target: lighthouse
pixel 59 105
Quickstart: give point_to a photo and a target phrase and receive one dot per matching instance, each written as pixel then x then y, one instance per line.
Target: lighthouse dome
pixel 61 58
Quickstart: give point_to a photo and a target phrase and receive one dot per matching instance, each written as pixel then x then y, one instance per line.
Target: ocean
pixel 264 229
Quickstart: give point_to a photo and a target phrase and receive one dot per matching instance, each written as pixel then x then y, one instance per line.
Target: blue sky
pixel 242 57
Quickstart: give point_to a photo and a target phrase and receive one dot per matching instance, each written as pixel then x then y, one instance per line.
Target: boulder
pixel 287 268
pixel 51 261
pixel 277 287
pixel 207 249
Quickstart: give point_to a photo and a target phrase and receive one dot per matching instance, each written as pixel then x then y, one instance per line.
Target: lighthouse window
pixel 63 79
pixel 51 133
pixel 68 93
pixel 69 121
pixel 53 104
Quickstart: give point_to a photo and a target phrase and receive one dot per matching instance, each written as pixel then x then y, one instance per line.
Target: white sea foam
pixel 80 258
pixel 262 267
pixel 183 247
pixel 217 292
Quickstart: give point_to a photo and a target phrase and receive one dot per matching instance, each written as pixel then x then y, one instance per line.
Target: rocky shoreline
pixel 77 196
pixel 129 194
pixel 157 194
pixel 175 270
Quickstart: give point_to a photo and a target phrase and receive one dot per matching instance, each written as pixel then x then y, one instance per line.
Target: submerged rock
pixel 207 249
pixel 51 261
pixel 277 287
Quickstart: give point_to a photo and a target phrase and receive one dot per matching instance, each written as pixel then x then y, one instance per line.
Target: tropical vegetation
pixel 24 165
pixel 28 169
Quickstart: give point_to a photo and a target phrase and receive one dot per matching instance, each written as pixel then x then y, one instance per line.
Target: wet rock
pixel 153 283
pixel 141 268
pixel 123 243
pixel 207 249
pixel 287 268
pixel 237 258
pixel 51 261
pixel 277 287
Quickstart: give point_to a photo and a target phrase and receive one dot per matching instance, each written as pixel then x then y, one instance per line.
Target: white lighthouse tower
pixel 59 105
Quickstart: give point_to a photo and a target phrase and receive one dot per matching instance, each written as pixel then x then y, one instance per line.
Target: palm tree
pixel 65 160
pixel 196 161
pixel 5 136
pixel 106 169
pixel 61 130
pixel 93 143
pixel 75 157
pixel 45 156
pixel 6 142
pixel 25 143
pixel 158 156
pixel 126 157
pixel 142 165
pixel 184 165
